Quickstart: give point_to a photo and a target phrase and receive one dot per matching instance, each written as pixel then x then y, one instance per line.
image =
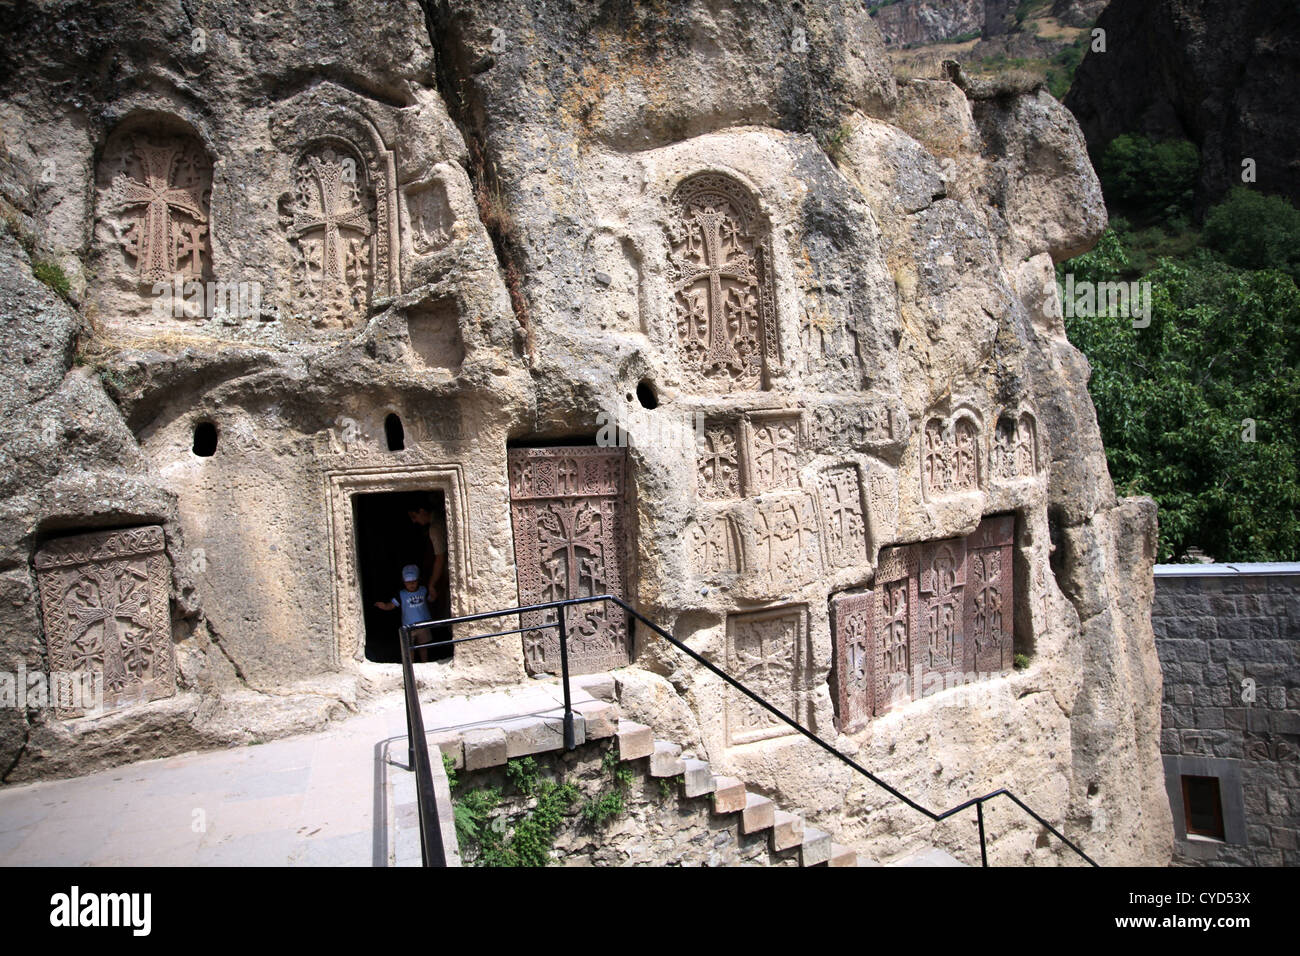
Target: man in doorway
pixel 432 533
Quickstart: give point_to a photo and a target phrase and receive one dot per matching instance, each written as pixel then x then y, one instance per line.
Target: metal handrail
pixel 936 816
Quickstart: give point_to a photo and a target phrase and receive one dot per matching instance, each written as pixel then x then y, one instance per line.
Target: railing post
pixel 404 635
pixel 570 738
pixel 984 853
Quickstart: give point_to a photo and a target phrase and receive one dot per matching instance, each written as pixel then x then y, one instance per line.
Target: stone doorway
pixel 386 541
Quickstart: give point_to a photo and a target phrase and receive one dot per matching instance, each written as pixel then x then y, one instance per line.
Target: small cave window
pixel 205 439
pixel 394 433
pixel 1203 807
pixel 645 394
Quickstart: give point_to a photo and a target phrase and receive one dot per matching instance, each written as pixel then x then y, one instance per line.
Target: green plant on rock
pixel 522 773
pixel 51 273
pixel 449 767
pixel 1021 662
pixel 612 801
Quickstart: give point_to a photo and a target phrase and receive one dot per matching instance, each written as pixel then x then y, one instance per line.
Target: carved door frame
pixel 341 486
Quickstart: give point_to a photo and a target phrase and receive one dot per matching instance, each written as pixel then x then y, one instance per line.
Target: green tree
pixel 1148 180
pixel 1177 401
pixel 1254 231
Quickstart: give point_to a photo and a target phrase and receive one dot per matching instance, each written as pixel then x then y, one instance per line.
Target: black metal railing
pixel 415 725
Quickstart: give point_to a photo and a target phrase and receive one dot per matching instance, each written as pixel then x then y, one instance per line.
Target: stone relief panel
pixel 715 547
pixel 332 233
pixel 844 526
pixel 857 426
pixel 105 605
pixel 429 214
pixel 724 299
pixel 718 475
pixel 854 620
pixel 434 329
pixel 1015 451
pixel 941 594
pixel 765 652
pixel 568 509
pixel 952 458
pixel 774 452
pixel 786 542
pixel 882 501
pixel 989 612
pixel 889 665
pixel 155 208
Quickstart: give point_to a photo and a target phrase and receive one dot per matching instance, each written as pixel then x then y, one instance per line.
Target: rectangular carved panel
pixel 844 529
pixel 105 603
pixel 567 505
pixel 765 653
pixel 990 593
pixel 889 665
pixel 854 617
pixel 774 452
pixel 941 611
pixel 786 546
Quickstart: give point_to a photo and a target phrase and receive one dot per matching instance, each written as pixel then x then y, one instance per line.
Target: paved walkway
pixel 322 799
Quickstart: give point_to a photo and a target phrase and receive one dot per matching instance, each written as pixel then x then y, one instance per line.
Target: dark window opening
pixel 1203 807
pixel 394 432
pixel 392 531
pixel 205 439
pixel 645 393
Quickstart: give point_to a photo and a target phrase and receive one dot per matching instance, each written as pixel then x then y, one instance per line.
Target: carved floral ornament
pixel 724 304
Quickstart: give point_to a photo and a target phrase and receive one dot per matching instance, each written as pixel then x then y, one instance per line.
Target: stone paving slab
pixel 323 799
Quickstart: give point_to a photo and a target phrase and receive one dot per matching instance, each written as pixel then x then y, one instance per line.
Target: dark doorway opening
pixel 394 433
pixel 388 540
pixel 205 440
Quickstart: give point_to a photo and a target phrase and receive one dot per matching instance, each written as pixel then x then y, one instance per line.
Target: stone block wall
pixel 1229 646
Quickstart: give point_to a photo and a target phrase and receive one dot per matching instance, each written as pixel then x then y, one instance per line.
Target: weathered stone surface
pixel 465 264
pixel 814 847
pixel 634 740
pixel 787 830
pixel 697 778
pixel 759 813
pixel 599 718
pixel 666 761
pixel 728 795
pixel 484 747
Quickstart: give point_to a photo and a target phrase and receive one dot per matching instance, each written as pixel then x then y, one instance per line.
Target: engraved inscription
pixel 843 527
pixel 774 453
pixel 718 462
pixel 715 547
pixel 787 546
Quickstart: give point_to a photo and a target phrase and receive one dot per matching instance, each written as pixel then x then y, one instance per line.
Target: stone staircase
pixel 491 742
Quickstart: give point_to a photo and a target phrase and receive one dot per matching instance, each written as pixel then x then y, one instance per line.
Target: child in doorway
pixel 413 599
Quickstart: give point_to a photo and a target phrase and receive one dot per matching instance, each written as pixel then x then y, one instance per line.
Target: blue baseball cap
pixel 411 573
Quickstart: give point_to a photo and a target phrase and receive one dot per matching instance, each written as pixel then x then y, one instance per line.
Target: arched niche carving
pixel 724 305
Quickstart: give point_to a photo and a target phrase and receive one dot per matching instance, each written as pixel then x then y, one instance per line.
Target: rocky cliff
pixel 1202 70
pixel 820 300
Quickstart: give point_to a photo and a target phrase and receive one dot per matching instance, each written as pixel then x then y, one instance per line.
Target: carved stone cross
pixel 337 208
pixel 153 244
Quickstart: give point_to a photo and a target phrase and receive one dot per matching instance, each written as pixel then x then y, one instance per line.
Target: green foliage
pixel 449 767
pixel 612 800
pixel 472 812
pixel 52 274
pixel 522 773
pixel 1175 401
pixel 1254 231
pixel 534 835
pixel 833 142
pixel 1021 662
pixel 1150 181
pixel 1063 64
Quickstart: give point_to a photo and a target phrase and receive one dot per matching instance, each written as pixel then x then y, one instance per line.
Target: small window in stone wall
pixel 394 432
pixel 205 440
pixel 1203 807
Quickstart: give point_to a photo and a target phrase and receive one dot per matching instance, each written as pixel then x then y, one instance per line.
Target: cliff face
pixel 820 301
pixel 1203 70
pixel 929 21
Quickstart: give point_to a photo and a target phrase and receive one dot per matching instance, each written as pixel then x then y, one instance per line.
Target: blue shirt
pixel 414 605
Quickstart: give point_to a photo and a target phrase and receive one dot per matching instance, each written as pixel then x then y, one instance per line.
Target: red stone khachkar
pixel 937 610
pixel 567 505
pixel 105 604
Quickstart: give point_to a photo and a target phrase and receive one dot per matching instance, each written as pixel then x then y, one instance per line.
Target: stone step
pixel 759 814
pixel 484 747
pixel 698 779
pixel 728 795
pixel 842 856
pixel 634 740
pixel 929 856
pixel 666 761
pixel 599 717
pixel 535 735
pixel 815 848
pixel 787 830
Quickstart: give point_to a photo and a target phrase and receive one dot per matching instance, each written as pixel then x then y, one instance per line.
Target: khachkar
pixel 158 204
pixel 721 268
pixel 104 599
pixel 567 506
pixel 939 613
pixel 331 235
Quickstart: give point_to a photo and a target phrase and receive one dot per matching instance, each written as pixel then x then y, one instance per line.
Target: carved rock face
pixel 156 206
